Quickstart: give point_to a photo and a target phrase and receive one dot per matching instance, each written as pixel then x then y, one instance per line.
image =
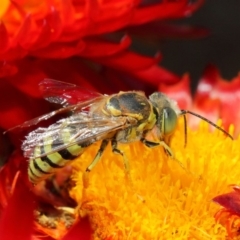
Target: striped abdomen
pixel 41 167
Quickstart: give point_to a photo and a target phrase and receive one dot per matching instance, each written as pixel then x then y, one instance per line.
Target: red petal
pixel 60 50
pixel 73 70
pixel 167 30
pixel 156 75
pixel 4 39
pixel 49 31
pixel 108 16
pixel 100 48
pixel 25 35
pixel 231 201
pixel 11 106
pixel 207 108
pixel 67 11
pixel 204 104
pixel 13 53
pixel 7 69
pixel 80 231
pixel 219 98
pixel 229 96
pixel 15 106
pixel 29 75
pixel 17 219
pixel 207 82
pixel 8 172
pixel 163 10
pixel 129 61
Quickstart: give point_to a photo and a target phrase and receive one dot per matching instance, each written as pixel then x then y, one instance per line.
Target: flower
pixel 64 28
pixel 79 41
pixel 75 41
pixel 164 198
pixel 16 201
pixel 20 207
pixel 214 98
pixel 161 192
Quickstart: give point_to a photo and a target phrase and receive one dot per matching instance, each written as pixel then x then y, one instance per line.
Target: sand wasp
pixel 119 118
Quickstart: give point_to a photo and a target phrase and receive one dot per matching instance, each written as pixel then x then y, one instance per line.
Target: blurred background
pixel 220 47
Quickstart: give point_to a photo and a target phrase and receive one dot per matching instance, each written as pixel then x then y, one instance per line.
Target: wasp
pixel 123 117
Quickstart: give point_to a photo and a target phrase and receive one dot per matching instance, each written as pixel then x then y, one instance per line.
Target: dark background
pixel 220 47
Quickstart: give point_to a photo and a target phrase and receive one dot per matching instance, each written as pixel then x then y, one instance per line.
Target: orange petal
pixel 3 6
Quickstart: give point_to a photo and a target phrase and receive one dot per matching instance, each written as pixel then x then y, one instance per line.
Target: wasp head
pixel 166 111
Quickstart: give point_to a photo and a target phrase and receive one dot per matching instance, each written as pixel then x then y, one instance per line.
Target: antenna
pixel 184 112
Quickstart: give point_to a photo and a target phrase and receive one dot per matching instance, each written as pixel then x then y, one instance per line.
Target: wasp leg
pixel 94 162
pixel 168 150
pixel 151 144
pixel 125 160
pixel 126 166
pixel 98 155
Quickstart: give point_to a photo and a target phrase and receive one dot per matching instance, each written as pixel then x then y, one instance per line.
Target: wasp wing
pixel 77 129
pixel 71 108
pixel 65 93
pixel 72 97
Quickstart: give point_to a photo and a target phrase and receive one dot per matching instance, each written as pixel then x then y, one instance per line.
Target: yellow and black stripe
pixel 40 167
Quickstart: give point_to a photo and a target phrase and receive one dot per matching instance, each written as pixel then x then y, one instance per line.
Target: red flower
pixel 16 219
pixel 60 29
pixel 51 38
pixel 18 203
pixel 71 41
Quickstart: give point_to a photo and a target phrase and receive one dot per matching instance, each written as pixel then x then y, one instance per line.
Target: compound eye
pixel 169 120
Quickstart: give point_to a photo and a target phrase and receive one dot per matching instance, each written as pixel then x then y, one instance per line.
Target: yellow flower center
pixel 164 198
